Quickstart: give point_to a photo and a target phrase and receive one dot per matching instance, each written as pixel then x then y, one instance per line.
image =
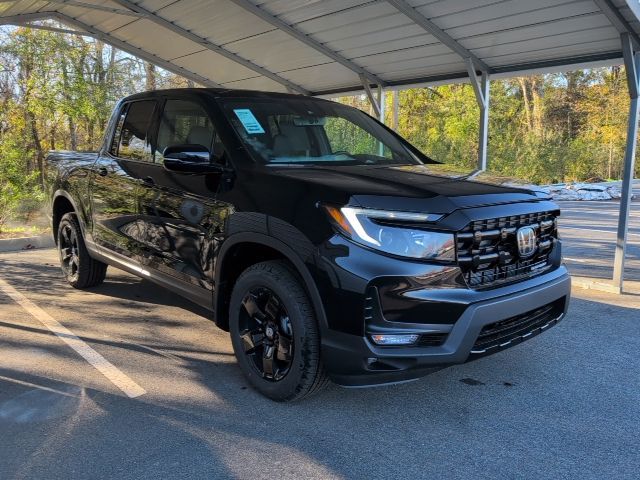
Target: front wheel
pixel 275 334
pixel 78 268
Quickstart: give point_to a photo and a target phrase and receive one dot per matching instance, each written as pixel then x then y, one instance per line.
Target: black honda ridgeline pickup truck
pixel 326 244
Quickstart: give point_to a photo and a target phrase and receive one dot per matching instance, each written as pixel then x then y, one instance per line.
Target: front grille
pixel 487 250
pixel 503 334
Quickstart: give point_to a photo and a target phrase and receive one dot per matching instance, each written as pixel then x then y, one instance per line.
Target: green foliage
pixel 345 136
pixel 56 92
pixel 16 182
pixel 543 129
pixel 442 122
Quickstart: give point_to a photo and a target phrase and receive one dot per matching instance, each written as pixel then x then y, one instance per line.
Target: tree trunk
pixel 91 128
pixel 536 98
pixel 525 98
pixel 73 133
pixel 52 137
pixel 66 88
pixel 37 144
pixel 150 76
pixel 110 77
pixel 99 65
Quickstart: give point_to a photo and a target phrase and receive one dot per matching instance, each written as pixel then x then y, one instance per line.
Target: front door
pixel 181 219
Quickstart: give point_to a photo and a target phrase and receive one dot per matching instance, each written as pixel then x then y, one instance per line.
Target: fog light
pixel 394 339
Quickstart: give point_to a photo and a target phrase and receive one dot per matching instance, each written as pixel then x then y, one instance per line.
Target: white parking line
pixel 579 260
pixel 130 388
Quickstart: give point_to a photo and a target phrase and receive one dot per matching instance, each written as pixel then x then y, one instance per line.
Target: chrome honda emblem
pixel 526 237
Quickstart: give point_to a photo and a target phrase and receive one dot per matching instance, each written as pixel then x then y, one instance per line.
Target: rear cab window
pixel 132 139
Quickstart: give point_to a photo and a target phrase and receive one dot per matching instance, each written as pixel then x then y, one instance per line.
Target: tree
pixel 543 128
pixel 57 92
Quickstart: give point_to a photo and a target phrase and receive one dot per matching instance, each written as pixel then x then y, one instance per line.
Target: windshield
pixel 307 131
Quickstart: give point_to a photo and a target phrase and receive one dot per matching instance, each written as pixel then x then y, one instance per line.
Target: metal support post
pixel 381 103
pixel 381 109
pixel 396 110
pixel 481 89
pixel 632 66
pixel 372 99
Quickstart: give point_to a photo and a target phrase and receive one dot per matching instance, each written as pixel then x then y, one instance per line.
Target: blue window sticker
pixel 249 121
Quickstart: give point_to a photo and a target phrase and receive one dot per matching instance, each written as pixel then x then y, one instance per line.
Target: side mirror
pixel 190 158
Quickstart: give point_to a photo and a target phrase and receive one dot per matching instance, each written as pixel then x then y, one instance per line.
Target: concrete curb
pixel 26 243
pixel 604 285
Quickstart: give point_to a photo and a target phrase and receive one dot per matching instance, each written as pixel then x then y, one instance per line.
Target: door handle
pixel 103 172
pixel 148 181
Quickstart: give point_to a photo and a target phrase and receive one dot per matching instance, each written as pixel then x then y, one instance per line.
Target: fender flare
pixel 63 193
pixel 287 252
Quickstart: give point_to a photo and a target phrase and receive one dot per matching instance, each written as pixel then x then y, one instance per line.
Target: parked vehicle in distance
pixel 326 244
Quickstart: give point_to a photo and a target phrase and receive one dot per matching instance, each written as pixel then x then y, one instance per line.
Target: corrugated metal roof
pixel 325 46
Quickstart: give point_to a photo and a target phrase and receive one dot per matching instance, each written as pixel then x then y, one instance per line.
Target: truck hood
pixel 434 187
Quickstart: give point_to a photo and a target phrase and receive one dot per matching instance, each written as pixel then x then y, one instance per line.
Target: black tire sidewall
pixel 299 309
pixel 83 256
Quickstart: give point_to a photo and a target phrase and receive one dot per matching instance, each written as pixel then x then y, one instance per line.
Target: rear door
pixel 180 216
pixel 118 172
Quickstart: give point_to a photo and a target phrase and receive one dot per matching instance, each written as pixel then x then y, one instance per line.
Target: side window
pixel 134 142
pixel 185 122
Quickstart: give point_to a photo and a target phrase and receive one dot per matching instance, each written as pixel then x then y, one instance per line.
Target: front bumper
pixel 353 360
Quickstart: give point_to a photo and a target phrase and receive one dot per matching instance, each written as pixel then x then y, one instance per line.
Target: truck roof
pixel 213 92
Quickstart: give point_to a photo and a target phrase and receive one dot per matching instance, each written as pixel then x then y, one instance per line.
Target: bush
pixel 9 200
pixel 29 204
pixel 19 202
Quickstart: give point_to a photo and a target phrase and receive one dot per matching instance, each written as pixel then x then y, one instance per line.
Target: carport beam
pixel 632 66
pixel 480 86
pixel 372 99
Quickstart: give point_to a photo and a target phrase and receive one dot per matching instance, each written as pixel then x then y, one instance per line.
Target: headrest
pixel 200 136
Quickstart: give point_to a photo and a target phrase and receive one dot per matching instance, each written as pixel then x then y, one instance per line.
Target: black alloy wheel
pixel 274 332
pixel 68 248
pixel 266 334
pixel 78 268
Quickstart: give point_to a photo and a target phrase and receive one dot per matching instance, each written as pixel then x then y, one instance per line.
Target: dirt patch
pixel 21 232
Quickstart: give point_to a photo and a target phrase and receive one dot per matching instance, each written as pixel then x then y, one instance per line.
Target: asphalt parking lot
pixel 161 396
pixel 588 232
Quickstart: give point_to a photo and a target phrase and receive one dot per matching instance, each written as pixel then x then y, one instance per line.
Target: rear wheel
pixel 275 334
pixel 78 268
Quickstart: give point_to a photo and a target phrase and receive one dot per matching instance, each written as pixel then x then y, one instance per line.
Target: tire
pixel 274 333
pixel 78 268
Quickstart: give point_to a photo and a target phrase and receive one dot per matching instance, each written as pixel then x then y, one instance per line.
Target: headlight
pixel 376 229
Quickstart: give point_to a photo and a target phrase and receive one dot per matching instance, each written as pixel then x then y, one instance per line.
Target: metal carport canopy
pixel 324 47
pixel 321 47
